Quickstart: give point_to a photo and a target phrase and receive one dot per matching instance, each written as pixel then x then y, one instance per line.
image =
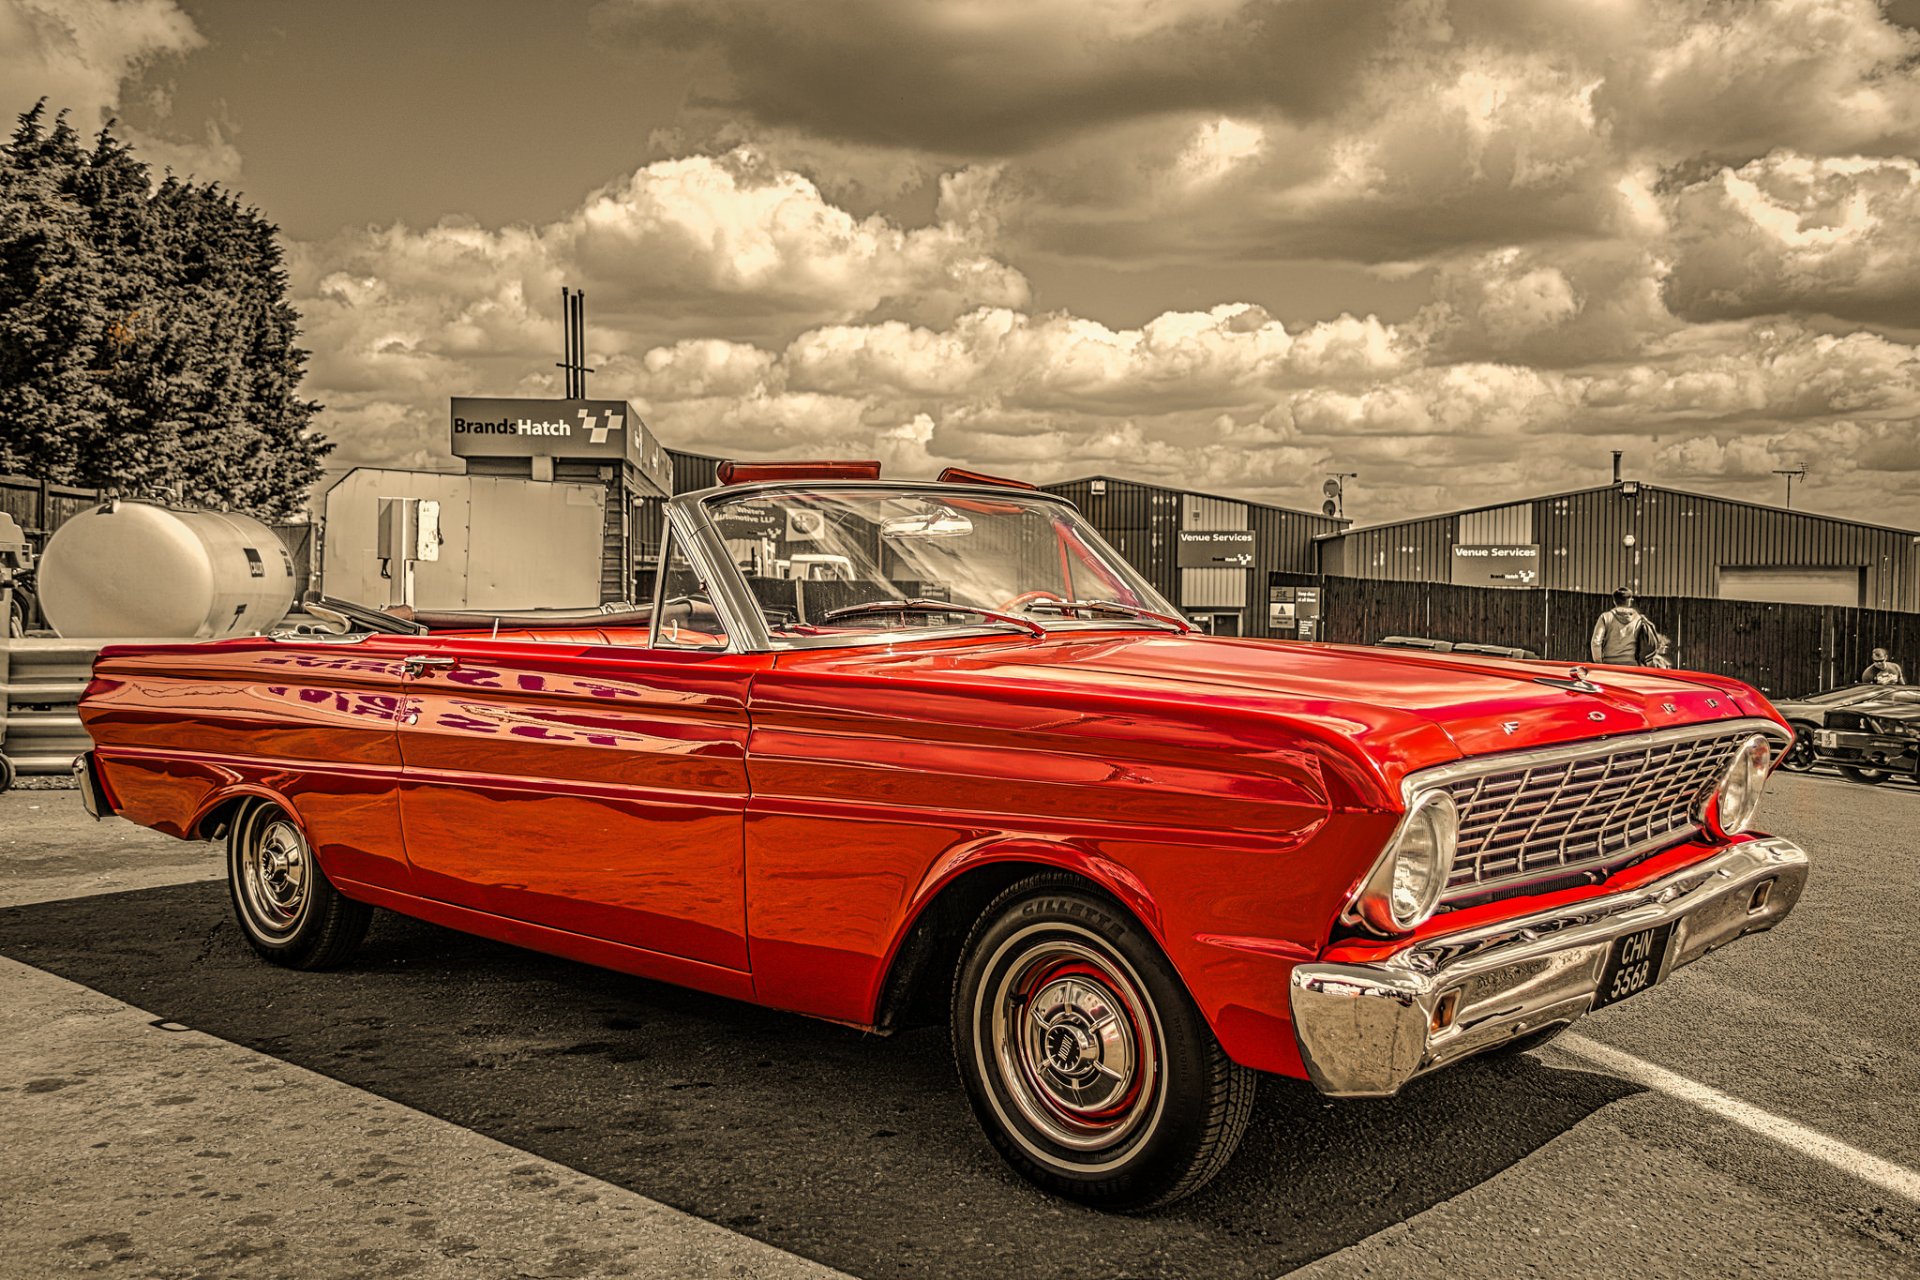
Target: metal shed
pixel 1657 540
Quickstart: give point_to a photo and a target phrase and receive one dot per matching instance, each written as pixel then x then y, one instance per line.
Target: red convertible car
pixel 886 753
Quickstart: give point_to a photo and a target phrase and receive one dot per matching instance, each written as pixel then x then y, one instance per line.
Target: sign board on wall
pixel 1215 548
pixel 1511 564
pixel 492 427
pixel 1294 612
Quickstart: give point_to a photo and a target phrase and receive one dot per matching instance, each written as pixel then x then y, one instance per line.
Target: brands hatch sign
pixel 591 430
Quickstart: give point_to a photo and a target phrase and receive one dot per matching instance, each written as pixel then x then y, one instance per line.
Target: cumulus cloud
pixel 1000 76
pixel 1791 232
pixel 1733 80
pixel 711 252
pixel 80 56
pixel 1218 129
pixel 1683 228
pixel 1767 374
pixel 79 53
pixel 1232 354
pixel 706 238
pixel 1828 451
pixel 1554 306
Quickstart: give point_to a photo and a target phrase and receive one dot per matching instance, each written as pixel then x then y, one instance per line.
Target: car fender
pixel 1063 855
pixel 226 795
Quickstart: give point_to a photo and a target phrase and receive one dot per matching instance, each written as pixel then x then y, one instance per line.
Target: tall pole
pixel 573 341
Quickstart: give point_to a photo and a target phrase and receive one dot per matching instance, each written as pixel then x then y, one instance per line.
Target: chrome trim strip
pixel 746 626
pixel 1533 757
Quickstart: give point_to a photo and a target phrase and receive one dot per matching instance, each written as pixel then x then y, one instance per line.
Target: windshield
pixel 823 562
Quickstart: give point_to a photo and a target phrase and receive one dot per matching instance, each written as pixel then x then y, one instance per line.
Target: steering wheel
pixel 1028 597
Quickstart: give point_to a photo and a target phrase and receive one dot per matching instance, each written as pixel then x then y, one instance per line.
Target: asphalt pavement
pixel 660 1132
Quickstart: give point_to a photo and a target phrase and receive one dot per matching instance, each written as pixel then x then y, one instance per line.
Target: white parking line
pixel 1885 1174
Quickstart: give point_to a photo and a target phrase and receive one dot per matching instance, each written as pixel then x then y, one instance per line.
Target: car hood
pixel 1405 709
pixel 1887 711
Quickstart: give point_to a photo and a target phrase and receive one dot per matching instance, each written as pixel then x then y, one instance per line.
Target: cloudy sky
pixel 1461 248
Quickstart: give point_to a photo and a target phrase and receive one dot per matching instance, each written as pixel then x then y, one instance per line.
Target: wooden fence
pixel 40 507
pixel 1783 650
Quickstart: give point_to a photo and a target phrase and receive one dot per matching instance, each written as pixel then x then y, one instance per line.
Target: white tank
pixel 134 569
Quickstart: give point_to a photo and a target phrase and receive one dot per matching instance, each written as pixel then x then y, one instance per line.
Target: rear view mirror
pixel 943 522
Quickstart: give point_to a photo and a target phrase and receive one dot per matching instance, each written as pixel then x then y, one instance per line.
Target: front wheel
pixel 1800 755
pixel 1871 777
pixel 289 910
pixel 1085 1060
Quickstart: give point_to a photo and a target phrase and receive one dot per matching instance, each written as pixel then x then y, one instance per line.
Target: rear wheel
pixel 1084 1058
pixel 286 906
pixel 1872 777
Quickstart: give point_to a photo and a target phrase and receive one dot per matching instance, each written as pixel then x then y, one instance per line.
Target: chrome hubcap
pixel 274 873
pixel 1074 1044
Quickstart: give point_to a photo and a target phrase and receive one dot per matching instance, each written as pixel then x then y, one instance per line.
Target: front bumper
pixel 1367 1029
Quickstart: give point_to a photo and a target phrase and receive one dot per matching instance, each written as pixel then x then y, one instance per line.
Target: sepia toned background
pixel 1464 249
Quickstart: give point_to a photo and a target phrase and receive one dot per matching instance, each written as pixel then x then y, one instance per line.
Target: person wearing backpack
pixel 1624 637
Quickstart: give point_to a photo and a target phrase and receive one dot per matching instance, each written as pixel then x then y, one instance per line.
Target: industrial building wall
pixel 1142 522
pixel 506 543
pixel 1661 542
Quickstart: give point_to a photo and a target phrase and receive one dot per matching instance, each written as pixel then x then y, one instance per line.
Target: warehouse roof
pixel 1218 497
pixel 1602 488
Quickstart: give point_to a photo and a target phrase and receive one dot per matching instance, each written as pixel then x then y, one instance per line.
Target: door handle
pixel 417 663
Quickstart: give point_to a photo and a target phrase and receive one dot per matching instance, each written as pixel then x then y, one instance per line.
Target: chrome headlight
pixel 1729 807
pixel 1406 884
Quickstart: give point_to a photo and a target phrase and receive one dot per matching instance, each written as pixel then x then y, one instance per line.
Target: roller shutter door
pixel 1792 586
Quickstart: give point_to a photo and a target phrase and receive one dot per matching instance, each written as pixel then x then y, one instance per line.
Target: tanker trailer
pixel 138 569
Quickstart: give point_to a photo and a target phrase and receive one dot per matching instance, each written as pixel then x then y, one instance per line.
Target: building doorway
pixel 1217 624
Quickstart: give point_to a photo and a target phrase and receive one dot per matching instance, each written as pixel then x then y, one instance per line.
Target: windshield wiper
pixel 1108 606
pixel 1027 625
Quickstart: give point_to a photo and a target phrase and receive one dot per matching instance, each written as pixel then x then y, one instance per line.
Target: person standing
pixel 1622 635
pixel 1883 670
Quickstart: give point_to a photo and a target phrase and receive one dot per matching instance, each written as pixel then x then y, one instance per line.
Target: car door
pixel 594 788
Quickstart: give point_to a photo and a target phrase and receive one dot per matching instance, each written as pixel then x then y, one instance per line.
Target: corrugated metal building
pixel 1657 540
pixel 1144 523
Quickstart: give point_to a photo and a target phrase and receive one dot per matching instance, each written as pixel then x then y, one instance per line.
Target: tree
pixel 147 343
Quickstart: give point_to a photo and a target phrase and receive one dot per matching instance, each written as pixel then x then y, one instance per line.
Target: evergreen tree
pixel 146 339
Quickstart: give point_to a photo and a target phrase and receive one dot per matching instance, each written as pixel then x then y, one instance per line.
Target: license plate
pixel 1633 964
pixel 1825 738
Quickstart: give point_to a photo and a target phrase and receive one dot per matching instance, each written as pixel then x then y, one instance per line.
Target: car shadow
pixel 854 1150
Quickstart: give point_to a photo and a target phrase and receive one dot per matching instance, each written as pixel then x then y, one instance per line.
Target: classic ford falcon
pixel 887 753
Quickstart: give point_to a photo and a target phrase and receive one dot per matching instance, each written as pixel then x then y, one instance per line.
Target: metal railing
pixel 41 681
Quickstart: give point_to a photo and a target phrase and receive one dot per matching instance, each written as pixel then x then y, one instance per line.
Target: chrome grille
pixel 1591 807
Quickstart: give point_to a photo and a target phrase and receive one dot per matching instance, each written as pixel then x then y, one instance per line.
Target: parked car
pixel 994 779
pixel 1804 715
pixel 1876 738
